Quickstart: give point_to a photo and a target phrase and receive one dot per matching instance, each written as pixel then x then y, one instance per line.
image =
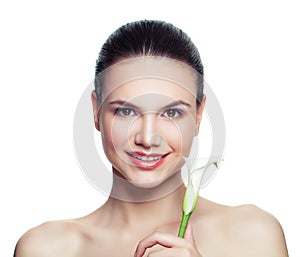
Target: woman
pixel 148 103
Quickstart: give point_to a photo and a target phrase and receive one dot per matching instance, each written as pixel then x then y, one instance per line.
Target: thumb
pixel 189 233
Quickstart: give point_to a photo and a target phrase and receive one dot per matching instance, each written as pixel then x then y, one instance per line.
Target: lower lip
pixel 147 165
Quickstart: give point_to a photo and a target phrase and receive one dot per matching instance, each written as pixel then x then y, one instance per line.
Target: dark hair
pixel 149 38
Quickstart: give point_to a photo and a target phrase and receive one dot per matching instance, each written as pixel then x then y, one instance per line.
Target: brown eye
pixel 125 112
pixel 172 113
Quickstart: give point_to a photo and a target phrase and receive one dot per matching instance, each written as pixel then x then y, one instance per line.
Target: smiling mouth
pixel 147 161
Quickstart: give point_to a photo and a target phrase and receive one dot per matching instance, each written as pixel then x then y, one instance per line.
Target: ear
pixel 96 110
pixel 200 109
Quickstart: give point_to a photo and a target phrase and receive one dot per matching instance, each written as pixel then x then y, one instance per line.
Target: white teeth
pixel 147 159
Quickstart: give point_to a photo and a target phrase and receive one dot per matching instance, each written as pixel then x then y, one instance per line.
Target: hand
pixel 173 245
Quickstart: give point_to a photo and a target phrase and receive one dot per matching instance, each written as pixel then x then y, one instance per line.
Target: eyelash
pixel 177 112
pixel 120 112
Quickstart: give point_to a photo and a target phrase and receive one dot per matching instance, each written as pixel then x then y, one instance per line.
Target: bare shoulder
pixel 254 231
pixel 53 238
pixel 250 218
pixel 244 230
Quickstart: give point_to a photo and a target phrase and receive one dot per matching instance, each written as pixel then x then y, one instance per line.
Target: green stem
pixel 184 221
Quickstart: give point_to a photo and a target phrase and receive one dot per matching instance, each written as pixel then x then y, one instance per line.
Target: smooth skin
pixel 150 227
pixel 215 230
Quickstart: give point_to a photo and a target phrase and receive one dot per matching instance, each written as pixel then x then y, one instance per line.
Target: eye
pixel 172 113
pixel 125 112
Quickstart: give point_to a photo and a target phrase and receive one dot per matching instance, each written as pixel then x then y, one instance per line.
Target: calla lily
pixel 192 193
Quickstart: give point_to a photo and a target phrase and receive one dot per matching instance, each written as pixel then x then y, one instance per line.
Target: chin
pixel 169 176
pixel 151 182
pixel 146 184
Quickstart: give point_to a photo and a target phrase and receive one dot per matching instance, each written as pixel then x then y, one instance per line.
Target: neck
pixel 159 205
pixel 125 191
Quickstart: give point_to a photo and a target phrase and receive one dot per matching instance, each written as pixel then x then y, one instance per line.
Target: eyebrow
pixel 178 102
pixel 130 105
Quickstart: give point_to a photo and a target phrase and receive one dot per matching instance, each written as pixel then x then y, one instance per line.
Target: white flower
pixel 193 187
pixel 192 191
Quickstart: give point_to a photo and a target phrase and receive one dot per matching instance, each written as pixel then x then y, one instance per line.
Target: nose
pixel 146 135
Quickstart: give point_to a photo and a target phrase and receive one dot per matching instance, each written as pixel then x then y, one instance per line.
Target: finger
pixel 159 238
pixel 189 235
pixel 172 252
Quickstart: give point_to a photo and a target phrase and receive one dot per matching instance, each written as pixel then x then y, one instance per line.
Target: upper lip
pixel 137 153
pixel 148 155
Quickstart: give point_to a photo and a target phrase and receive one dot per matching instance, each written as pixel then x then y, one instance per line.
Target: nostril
pixel 156 139
pixel 148 140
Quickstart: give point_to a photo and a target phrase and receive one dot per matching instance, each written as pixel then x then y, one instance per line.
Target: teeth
pixel 147 159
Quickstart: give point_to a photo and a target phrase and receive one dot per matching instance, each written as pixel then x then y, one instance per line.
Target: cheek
pixel 119 132
pixel 110 131
pixel 105 128
pixel 182 135
pixel 172 134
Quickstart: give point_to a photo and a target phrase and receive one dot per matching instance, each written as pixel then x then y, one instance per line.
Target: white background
pixel 250 50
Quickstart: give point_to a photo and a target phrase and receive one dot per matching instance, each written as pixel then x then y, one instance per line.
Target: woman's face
pixel 148 123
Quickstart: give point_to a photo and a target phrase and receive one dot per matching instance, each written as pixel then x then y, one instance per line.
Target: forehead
pixel 161 70
pixel 150 94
